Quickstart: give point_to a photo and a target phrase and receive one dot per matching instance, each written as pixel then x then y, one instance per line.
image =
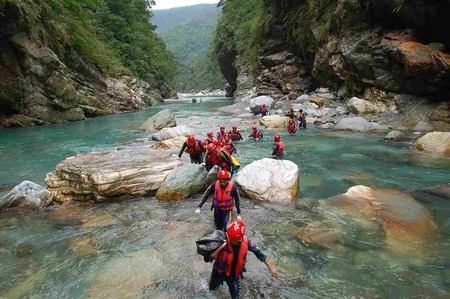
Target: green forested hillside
pixel 190 42
pixel 113 35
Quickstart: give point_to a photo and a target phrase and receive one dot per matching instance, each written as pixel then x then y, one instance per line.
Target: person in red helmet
pixel 235 135
pixel 278 146
pixel 221 133
pixel 263 110
pixel 209 138
pixel 291 128
pixel 225 198
pixel 223 157
pixel 195 149
pixel 256 134
pixel 231 257
pixel 228 144
pixel 290 112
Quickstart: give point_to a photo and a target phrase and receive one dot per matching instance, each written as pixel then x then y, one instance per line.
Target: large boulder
pixel 274 121
pixel 183 182
pixel 360 106
pixel 173 143
pixel 129 172
pixel 26 195
pixel 256 103
pixel 168 133
pixel 269 180
pixel 435 142
pixel 357 124
pixel 162 119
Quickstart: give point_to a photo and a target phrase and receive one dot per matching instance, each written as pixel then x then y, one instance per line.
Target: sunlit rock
pixel 435 142
pixel 162 119
pixel 27 195
pixel 274 121
pixel 97 176
pixel 360 106
pixel 269 180
pixel 183 182
pixel 168 133
pixel 173 143
pixel 256 103
pixel 395 135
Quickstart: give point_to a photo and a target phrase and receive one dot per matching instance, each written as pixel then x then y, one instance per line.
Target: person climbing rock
pixel 291 128
pixel 263 110
pixel 278 146
pixel 225 198
pixel 221 133
pixel 235 135
pixel 194 148
pixel 223 157
pixel 230 259
pixel 228 144
pixel 302 119
pixel 257 134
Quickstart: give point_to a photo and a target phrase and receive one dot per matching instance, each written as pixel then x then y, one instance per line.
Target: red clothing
pixel 224 260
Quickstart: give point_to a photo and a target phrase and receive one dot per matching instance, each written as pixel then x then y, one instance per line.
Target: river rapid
pixel 142 248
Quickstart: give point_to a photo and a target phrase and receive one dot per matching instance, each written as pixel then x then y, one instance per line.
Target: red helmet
pixel 254 128
pixel 211 147
pixel 222 128
pixel 210 134
pixel 276 138
pixel 191 139
pixel 236 231
pixel 223 175
pixel 215 142
pixel 234 128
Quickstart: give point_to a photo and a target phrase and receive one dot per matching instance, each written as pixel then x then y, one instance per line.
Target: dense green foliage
pixel 114 35
pixel 190 42
pixel 241 28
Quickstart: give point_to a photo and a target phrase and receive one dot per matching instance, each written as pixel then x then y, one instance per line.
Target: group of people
pixel 301 117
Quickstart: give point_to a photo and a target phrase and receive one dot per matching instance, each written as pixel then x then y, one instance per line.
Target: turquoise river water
pixel 143 248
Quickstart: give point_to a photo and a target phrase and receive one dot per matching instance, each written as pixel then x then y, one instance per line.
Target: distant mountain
pixel 167 18
pixel 189 40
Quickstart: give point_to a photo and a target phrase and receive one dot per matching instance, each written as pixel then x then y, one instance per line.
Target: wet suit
pixel 196 156
pixel 221 217
pixel 233 281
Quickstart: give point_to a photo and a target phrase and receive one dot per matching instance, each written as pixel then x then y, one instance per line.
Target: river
pixel 143 248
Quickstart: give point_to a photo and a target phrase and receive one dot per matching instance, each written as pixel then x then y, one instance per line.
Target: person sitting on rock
pixel 235 135
pixel 263 110
pixel 227 144
pixel 231 257
pixel 278 146
pixel 291 128
pixel 223 157
pixel 301 119
pixel 194 148
pixel 221 133
pixel 209 139
pixel 257 134
pixel 225 198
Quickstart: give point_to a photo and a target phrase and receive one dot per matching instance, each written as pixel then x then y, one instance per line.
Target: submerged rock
pixel 162 119
pixel 319 235
pixel 97 176
pixel 269 180
pixel 183 182
pixel 436 142
pixel 26 195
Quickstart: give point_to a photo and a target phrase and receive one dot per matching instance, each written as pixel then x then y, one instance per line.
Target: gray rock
pixel 424 127
pixel 443 190
pixel 396 136
pixel 26 195
pixel 162 119
pixel 327 126
pixel 256 103
pixel 357 124
pixel 237 108
pixel 168 133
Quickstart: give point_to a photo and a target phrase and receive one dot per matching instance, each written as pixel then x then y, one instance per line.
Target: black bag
pixel 209 242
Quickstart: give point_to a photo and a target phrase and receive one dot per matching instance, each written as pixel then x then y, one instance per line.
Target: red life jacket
pixel 234 135
pixel 291 126
pixel 222 198
pixel 280 149
pixel 220 135
pixel 228 146
pixel 212 160
pixel 263 109
pixel 224 260
pixel 256 134
pixel 194 149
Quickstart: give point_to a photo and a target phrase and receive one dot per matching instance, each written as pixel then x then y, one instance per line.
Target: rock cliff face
pixel 378 50
pixel 40 85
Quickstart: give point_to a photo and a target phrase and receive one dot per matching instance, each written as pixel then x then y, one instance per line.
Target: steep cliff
pixel 57 65
pixel 376 49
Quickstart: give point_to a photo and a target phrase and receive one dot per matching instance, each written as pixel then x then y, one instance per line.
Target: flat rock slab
pixel 169 133
pixel 128 172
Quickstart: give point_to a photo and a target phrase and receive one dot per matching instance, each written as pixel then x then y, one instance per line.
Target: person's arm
pixel 207 193
pixel 182 149
pixel 262 257
pixel 260 135
pixel 275 148
pixel 240 136
pixel 234 148
pixel 216 252
pixel 235 194
pixel 201 146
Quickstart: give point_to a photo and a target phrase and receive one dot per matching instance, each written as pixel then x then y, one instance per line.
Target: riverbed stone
pixel 396 136
pixel 434 142
pixel 357 124
pixel 360 106
pixel 183 182
pixel 319 235
pixel 442 190
pixel 162 119
pixel 168 133
pixel 173 143
pixel 97 176
pixel 274 121
pixel 269 180
pixel 27 195
pixel 423 126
